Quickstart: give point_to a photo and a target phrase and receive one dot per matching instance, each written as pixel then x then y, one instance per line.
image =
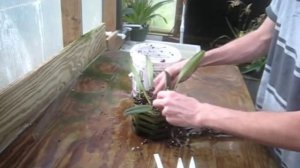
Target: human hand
pixel 179 109
pixel 160 79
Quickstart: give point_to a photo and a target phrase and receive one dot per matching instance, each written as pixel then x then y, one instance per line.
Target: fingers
pixel 163 99
pixel 159 83
pixel 162 94
pixel 160 101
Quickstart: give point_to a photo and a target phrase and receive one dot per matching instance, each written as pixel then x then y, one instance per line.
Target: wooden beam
pixel 178 15
pixel 114 42
pixel 23 101
pixel 71 11
pixel 110 14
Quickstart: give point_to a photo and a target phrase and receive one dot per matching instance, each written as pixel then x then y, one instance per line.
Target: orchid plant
pixel 185 72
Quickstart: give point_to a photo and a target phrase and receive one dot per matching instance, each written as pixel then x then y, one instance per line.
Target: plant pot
pixel 139 34
pixel 252 84
pixel 148 122
pixel 151 125
pixel 161 56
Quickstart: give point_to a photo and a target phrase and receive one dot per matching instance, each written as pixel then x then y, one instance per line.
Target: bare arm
pixel 244 49
pixel 241 50
pixel 270 128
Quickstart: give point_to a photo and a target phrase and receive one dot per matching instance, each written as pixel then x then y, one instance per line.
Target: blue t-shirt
pixel 280 85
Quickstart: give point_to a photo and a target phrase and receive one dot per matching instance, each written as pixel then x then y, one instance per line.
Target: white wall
pixel 30 34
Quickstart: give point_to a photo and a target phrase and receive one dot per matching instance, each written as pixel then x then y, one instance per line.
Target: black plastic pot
pixel 139 34
pixel 151 125
pixel 252 84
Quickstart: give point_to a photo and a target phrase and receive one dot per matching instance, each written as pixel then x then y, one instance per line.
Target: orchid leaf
pixel 137 109
pixel 139 82
pixel 150 71
pixel 189 67
pixel 137 78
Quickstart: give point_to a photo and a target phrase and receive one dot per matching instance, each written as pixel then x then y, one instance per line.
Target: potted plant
pixel 147 121
pixel 139 13
pixel 252 71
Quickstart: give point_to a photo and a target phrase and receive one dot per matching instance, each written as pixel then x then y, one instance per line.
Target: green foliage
pixel 244 26
pixel 186 71
pixel 257 66
pixel 139 83
pixel 138 109
pixel 190 67
pixel 150 70
pixel 142 11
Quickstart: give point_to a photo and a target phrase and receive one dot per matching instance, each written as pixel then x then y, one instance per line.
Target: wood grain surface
pixel 23 101
pixel 114 42
pixel 222 86
pixel 86 126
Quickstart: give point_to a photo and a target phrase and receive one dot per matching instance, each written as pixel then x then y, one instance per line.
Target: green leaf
pixel 143 11
pixel 168 84
pixel 256 66
pixel 223 37
pixel 137 78
pixel 139 83
pixel 137 109
pixel 150 71
pixel 233 31
pixel 190 67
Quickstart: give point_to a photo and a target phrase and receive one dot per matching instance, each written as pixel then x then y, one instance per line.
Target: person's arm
pixel 269 128
pixel 280 129
pixel 241 50
pixel 244 49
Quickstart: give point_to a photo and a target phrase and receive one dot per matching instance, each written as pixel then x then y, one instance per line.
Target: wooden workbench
pixel 85 127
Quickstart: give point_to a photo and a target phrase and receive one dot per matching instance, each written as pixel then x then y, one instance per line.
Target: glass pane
pixel 30 32
pixel 91 14
pixel 168 11
pixel 51 28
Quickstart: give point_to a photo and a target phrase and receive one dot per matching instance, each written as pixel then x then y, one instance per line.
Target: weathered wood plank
pixel 223 87
pixel 114 42
pixel 71 11
pixel 24 100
